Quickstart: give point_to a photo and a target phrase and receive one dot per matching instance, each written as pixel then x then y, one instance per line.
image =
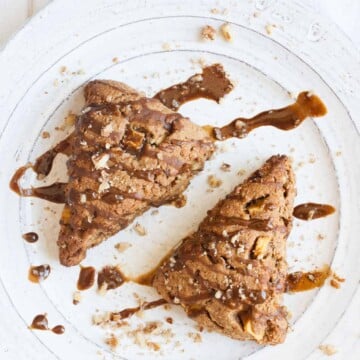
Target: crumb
pixel 270 28
pixel 196 337
pixel 200 61
pixel 76 297
pixel 226 32
pixel 63 70
pixel 335 284
pixel 56 83
pixel 215 11
pixel 115 60
pixel 213 181
pixel 256 14
pixel 169 320
pixel 45 135
pixel 320 237
pixel 140 229
pixel 292 149
pixel 225 167
pixel 208 33
pixel 153 346
pixel 328 349
pixel 112 341
pixel 70 119
pixel 338 153
pixel 154 212
pixel 166 46
pixel 241 172
pixel 337 277
pixel 312 159
pixel 167 307
pixel 102 289
pixel 121 247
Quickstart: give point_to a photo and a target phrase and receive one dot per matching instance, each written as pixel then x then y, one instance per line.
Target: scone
pixel 230 274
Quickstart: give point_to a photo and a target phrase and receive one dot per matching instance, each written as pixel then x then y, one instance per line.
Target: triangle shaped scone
pixel 230 274
pixel 128 153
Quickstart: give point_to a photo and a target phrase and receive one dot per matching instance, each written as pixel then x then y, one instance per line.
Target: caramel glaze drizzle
pixel 40 322
pixel 287 118
pixel 312 211
pixel 212 84
pixel 123 314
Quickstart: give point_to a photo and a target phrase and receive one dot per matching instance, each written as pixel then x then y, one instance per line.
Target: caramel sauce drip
pixel 86 278
pixel 287 118
pixel 303 281
pixel 44 163
pixel 40 322
pixel 110 277
pixel 39 273
pixel 31 237
pixel 123 314
pixel 312 211
pixel 212 84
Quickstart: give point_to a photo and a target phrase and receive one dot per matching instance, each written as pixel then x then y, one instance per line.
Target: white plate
pixel 157 44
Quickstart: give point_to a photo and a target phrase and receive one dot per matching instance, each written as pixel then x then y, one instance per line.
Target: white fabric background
pixel 346 13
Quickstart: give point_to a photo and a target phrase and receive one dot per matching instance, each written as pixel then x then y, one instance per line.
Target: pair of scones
pixel 129 153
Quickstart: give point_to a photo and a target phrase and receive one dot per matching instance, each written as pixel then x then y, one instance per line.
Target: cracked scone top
pixel 128 153
pixel 230 274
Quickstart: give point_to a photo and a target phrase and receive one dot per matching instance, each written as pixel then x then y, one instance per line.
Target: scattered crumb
pixel 226 32
pixel 154 212
pixel 102 289
pixel 208 33
pixel 213 181
pixel 112 341
pixel 218 11
pixel 115 60
pixel 63 70
pixel 140 229
pixel 338 153
pixel 121 247
pixel 337 277
pixel 70 119
pixel 335 284
pixel 320 237
pixel 328 349
pixel 269 28
pixel 196 337
pixel 166 46
pixel 312 159
pixel 169 320
pixel 225 167
pixel 256 14
pixel 56 82
pixel 241 172
pixel 45 135
pixel 153 346
pixel 200 61
pixel 76 297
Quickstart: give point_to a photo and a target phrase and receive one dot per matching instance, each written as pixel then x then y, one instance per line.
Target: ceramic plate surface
pixel 279 48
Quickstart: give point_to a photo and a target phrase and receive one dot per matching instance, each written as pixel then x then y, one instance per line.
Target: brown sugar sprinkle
pixel 169 320
pixel 208 33
pixel 225 167
pixel 328 349
pixel 213 181
pixel 45 135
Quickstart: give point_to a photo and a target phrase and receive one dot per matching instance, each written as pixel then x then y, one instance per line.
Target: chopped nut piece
pixel 226 32
pixel 208 33
pixel 140 229
pixel 100 161
pixel 328 349
pixel 121 247
pixel 213 181
pixel 261 246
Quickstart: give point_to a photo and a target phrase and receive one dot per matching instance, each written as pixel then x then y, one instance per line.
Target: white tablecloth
pixel 346 13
